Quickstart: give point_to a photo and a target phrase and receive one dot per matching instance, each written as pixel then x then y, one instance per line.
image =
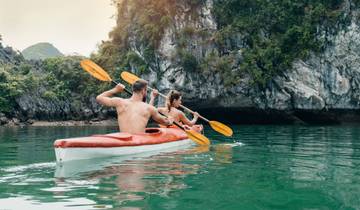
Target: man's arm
pixel 106 98
pixel 154 93
pixel 161 110
pixel 159 118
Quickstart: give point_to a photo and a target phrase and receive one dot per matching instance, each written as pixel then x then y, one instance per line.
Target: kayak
pixel 118 144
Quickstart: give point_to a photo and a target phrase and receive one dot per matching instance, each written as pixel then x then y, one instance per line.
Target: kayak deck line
pixel 118 136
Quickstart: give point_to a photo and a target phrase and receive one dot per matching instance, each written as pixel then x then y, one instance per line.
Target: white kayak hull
pixel 81 153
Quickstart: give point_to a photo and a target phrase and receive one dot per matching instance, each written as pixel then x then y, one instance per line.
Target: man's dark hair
pixel 139 85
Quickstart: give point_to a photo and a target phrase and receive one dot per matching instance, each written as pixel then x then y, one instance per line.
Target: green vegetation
pixel 12 78
pixel 271 35
pixel 144 22
pixel 65 79
pixel 41 51
pixel 53 79
pixel 277 32
pixel 10 88
pixel 253 37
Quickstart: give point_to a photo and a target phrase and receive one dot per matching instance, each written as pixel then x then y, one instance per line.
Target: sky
pixel 72 26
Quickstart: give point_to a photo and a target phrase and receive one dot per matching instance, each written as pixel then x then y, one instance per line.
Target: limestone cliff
pixel 324 87
pixel 186 45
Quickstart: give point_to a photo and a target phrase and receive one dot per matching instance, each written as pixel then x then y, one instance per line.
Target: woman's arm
pixel 186 121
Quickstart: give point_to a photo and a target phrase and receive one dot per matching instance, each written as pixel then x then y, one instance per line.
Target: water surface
pixel 261 167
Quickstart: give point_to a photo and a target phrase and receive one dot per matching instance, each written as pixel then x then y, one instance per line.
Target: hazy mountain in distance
pixel 41 51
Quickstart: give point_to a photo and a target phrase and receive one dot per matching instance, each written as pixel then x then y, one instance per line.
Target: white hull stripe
pixel 68 154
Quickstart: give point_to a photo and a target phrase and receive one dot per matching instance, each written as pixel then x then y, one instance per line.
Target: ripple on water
pixel 274 167
pixel 22 168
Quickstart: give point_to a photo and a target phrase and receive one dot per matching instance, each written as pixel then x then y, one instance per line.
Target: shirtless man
pixel 133 113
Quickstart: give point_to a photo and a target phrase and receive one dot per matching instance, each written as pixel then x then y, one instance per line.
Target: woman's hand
pixel 196 115
pixel 170 120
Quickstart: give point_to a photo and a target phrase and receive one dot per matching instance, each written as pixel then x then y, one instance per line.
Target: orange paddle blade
pixel 129 77
pixel 95 70
pixel 221 128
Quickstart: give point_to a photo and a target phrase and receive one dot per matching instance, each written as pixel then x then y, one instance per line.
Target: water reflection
pixel 223 153
pixel 280 167
pixel 125 180
pixel 73 169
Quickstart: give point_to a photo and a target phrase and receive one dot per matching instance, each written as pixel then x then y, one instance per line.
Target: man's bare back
pixel 133 113
pixel 133 116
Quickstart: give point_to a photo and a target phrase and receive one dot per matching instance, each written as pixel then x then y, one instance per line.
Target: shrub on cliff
pixel 270 34
pixel 275 33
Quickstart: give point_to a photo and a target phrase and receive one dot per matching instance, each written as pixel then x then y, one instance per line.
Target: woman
pixel 173 102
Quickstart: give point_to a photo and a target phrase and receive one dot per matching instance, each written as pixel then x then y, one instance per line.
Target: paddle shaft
pixel 184 107
pixel 100 74
pixel 217 126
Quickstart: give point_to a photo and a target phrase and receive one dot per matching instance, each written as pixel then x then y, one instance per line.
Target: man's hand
pixel 154 93
pixel 119 88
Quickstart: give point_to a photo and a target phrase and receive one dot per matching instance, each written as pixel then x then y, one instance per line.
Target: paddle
pixel 100 74
pixel 217 126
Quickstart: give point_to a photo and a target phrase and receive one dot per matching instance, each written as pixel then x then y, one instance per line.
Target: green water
pixel 261 167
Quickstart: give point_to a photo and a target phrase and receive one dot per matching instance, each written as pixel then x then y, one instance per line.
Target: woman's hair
pixel 173 95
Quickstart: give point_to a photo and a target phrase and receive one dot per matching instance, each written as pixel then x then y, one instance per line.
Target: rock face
pixel 8 55
pixel 31 103
pixel 327 81
pixel 325 88
pixel 33 106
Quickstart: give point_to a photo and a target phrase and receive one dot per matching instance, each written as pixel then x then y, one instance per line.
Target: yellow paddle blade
pixel 95 70
pixel 129 77
pixel 221 128
pixel 197 137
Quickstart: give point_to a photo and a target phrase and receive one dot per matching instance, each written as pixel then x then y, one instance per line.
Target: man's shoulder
pixel 150 107
pixel 162 108
pixel 120 101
